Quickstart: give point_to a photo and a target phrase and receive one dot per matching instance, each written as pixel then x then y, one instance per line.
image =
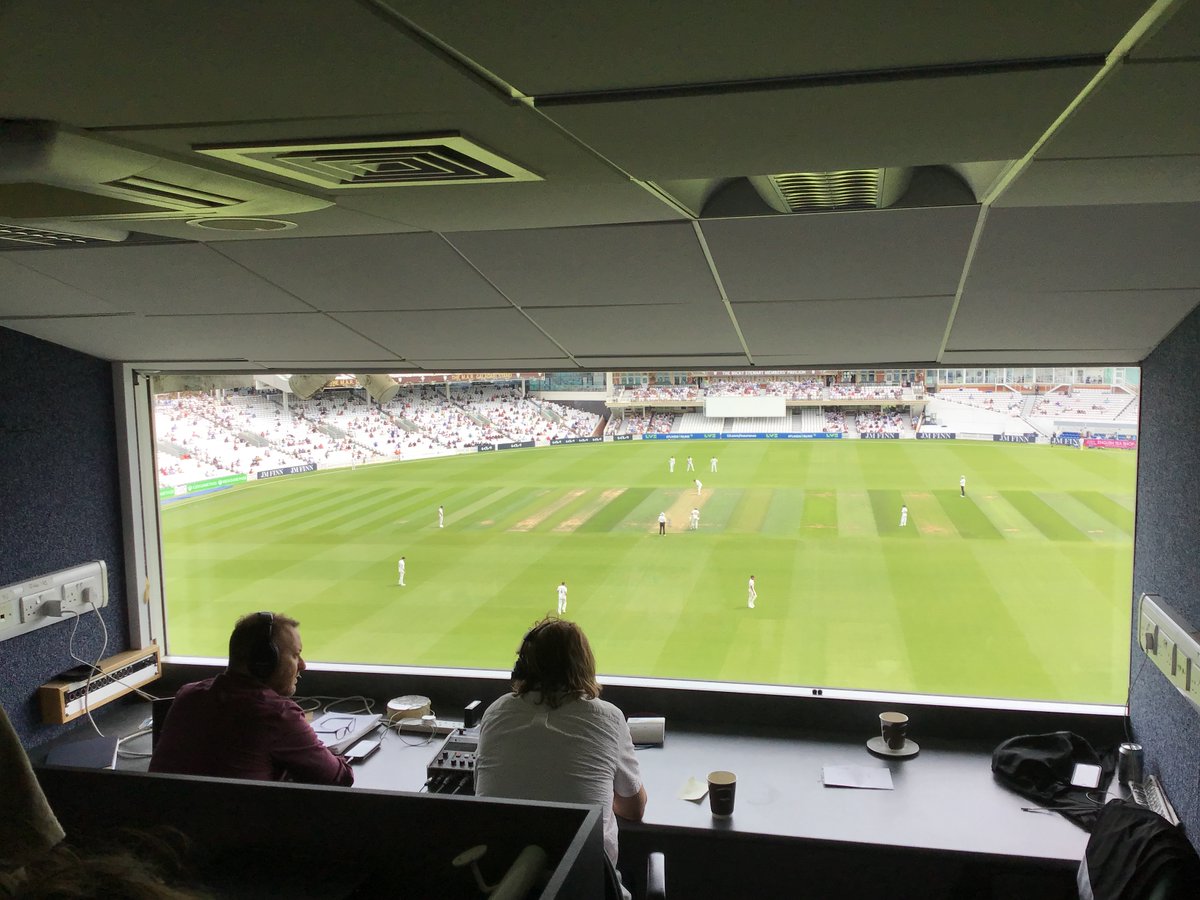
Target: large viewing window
pixel 959 533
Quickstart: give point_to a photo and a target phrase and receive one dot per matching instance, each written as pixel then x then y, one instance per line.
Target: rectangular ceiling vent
pixel 169 196
pixel 845 189
pixel 378 163
pixel 12 236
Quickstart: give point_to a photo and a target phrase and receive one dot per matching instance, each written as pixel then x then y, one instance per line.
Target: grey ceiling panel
pixel 291 366
pixel 1178 37
pixel 924 121
pixel 310 336
pixel 847 331
pixel 643 330
pixel 711 361
pixel 606 46
pixel 533 204
pixel 24 292
pixel 165 279
pixel 1143 109
pixel 380 272
pixel 661 263
pixel 885 253
pixel 221 61
pixel 521 364
pixel 481 334
pixel 1088 182
pixel 1088 248
pixel 1007 320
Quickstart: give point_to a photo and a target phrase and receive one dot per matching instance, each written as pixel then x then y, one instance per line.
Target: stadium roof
pixel 343 185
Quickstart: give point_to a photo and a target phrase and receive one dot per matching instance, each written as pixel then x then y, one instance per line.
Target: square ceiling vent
pixel 377 163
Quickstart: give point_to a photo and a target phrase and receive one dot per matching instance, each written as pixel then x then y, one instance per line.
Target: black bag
pixel 1039 766
pixel 1136 854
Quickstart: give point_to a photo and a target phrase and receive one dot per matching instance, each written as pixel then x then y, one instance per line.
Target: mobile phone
pixel 1086 775
pixel 362 750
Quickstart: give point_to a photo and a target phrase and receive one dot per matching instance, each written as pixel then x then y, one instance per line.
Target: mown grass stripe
pixel 616 511
pixel 886 507
pixel 1043 517
pixel 751 511
pixel 1107 508
pixel 820 518
pixel 967 518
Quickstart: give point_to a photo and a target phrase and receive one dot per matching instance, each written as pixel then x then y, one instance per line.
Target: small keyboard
pixel 1150 794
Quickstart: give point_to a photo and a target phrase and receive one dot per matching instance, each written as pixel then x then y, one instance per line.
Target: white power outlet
pixel 27 605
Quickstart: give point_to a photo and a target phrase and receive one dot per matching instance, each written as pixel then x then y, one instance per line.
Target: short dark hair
pixel 556 659
pixel 246 641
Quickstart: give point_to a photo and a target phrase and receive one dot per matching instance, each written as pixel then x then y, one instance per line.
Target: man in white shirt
pixel 400 567
pixel 553 738
pixel 662 523
pixel 691 466
pixel 671 464
pixel 698 487
pixel 441 517
pixel 903 515
pixel 712 464
pixel 695 523
pixel 562 598
pixel 962 485
pixel 753 594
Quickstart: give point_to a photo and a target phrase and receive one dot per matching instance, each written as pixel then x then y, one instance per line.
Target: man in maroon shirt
pixel 241 724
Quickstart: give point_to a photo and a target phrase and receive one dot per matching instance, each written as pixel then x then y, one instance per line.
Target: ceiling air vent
pixel 29 237
pixel 845 189
pixel 378 163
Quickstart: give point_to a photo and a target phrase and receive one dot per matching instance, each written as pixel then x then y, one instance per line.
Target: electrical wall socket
pixel 1173 644
pixel 27 605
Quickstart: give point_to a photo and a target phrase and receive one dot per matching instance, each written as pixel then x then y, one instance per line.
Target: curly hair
pixel 556 660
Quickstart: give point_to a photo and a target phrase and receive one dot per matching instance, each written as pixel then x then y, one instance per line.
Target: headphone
pixel 263 658
pixel 520 671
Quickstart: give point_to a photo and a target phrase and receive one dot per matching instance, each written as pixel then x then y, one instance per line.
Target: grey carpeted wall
pixel 59 506
pixel 1167 557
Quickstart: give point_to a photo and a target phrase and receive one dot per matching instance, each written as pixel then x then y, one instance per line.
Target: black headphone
pixel 520 671
pixel 263 658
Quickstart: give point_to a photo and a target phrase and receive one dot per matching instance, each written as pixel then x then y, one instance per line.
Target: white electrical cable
pixel 91 667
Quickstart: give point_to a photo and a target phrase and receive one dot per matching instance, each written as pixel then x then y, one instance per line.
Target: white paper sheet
pixel 869 777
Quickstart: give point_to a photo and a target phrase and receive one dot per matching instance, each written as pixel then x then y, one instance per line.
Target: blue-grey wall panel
pixel 59 506
pixel 1165 556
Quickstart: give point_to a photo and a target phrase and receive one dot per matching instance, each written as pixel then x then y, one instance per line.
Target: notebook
pixel 340 731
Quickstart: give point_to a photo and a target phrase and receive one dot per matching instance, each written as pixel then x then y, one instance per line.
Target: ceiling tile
pixel 847 331
pixel 1088 248
pixel 172 278
pixel 884 253
pixel 709 361
pixel 606 46
pixel 620 266
pixel 25 292
pixel 919 121
pixel 310 336
pixel 1117 356
pixel 481 334
pixel 1089 182
pixel 377 272
pixel 271 59
pixel 643 330
pixel 1142 109
pixel 1177 37
pixel 1007 320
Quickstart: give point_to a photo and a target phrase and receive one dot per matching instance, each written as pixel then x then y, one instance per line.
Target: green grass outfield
pixel 1022 589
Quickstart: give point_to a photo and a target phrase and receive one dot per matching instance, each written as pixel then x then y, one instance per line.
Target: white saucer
pixel 879 748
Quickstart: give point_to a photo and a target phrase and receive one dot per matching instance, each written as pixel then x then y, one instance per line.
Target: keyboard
pixel 1150 794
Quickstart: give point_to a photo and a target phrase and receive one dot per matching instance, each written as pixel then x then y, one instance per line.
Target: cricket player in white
pixel 698 487
pixel 662 523
pixel 671 464
pixel 441 517
pixel 400 566
pixel 712 464
pixel 691 466
pixel 562 598
pixel 695 524
pixel 903 515
pixel 753 594
pixel 962 486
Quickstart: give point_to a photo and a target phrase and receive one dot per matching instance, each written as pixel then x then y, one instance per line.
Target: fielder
pixel 671 464
pixel 962 486
pixel 694 525
pixel 562 598
pixel 903 515
pixel 753 594
pixel 698 487
pixel 400 567
pixel 441 517
pixel 712 464
pixel 691 466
